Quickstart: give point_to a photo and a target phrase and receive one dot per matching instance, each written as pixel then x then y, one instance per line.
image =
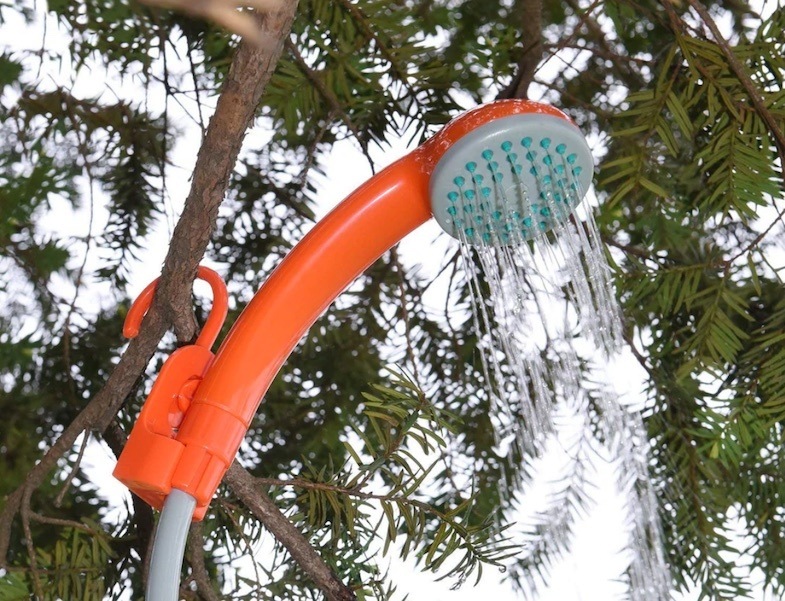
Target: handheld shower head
pixel 512 177
pixel 500 173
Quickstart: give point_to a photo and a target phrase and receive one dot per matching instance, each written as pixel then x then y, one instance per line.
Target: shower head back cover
pixel 499 173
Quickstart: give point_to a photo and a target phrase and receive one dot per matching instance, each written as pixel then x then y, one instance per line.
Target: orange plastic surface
pixel 358 231
pixel 215 320
pixel 369 222
pixel 152 452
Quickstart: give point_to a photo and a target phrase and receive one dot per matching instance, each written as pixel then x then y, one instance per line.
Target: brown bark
pixel 531 55
pixel 244 485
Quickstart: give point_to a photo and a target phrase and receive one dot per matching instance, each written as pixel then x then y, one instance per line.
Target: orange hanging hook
pixel 214 321
pixel 152 452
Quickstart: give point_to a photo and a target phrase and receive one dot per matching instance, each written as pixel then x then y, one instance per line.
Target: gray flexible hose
pixel 163 583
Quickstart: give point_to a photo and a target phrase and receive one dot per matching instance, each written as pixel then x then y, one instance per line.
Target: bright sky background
pixel 587 574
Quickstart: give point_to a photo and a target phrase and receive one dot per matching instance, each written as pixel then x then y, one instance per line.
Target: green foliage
pixel 379 497
pixel 697 163
pixel 72 568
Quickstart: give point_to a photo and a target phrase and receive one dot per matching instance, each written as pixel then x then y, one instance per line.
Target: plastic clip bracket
pixel 152 452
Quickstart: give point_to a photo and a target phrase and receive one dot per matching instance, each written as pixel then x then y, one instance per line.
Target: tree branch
pixel 635 251
pixel 196 559
pixel 251 69
pixel 249 73
pixel 604 47
pixel 531 30
pixel 330 98
pixel 74 470
pixel 29 544
pixel 245 486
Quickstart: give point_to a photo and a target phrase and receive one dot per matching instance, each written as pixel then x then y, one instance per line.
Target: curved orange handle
pixel 231 386
pixel 214 321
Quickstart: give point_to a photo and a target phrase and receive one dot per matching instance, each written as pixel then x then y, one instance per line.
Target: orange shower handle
pixel 224 392
pixel 319 267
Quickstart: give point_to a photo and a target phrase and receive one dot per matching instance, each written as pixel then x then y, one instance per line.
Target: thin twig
pixel 448 304
pixel 630 250
pixel 196 91
pixel 162 38
pixel 29 544
pixel 330 97
pixel 310 155
pixel 757 101
pixel 531 54
pixel 143 519
pixel 248 490
pixel 355 491
pixel 82 144
pixel 196 558
pixel 44 519
pixel 637 354
pixel 631 77
pixel 243 537
pixel 405 315
pixel 759 237
pixel 74 469
pixel 384 49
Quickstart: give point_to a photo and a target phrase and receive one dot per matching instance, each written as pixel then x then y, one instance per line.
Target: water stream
pixel 544 304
